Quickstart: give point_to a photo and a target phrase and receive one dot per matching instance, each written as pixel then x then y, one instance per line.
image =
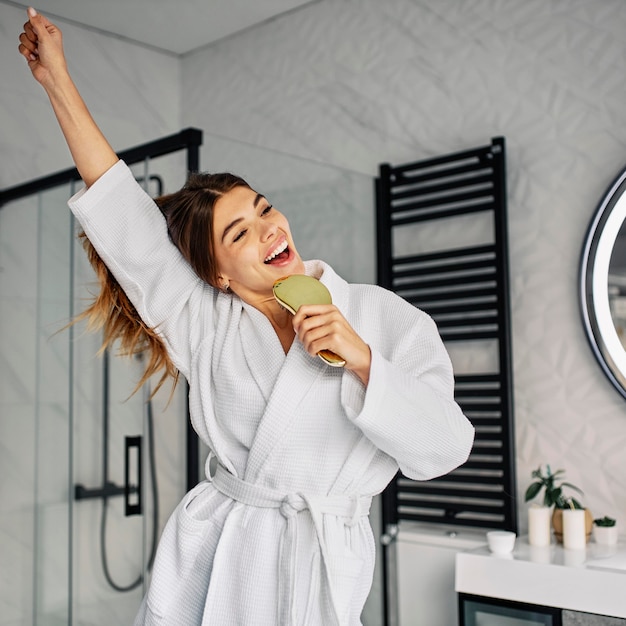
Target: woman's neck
pixel 279 318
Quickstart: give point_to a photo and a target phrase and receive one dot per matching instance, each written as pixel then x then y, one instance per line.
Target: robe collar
pixel 262 348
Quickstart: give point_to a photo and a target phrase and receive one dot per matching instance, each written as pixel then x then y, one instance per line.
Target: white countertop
pixel 591 580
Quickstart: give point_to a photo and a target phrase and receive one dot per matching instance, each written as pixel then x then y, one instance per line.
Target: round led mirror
pixel 603 283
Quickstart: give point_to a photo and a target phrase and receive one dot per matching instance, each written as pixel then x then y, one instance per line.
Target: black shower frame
pixel 189 139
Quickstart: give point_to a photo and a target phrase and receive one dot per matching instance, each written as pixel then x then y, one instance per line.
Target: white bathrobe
pixel 280 535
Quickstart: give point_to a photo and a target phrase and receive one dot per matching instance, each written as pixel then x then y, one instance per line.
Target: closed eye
pixel 242 232
pixel 240 235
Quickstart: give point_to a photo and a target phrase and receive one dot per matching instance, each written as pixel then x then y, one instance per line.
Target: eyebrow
pixel 236 221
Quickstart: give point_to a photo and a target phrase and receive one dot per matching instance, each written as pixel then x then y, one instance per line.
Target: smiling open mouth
pixel 280 254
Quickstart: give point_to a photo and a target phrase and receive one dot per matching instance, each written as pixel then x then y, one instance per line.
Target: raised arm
pixel 41 44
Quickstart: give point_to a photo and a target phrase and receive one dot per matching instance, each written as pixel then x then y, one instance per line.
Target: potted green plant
pixel 553 485
pixel 605 530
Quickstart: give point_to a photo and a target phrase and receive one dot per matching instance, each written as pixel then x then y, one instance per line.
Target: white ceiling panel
pixel 176 26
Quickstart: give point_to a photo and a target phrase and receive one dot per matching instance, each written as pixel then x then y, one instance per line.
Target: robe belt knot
pixel 351 508
pixel 292 504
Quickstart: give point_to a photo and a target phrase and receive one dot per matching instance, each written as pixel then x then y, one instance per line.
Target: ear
pixel 223 283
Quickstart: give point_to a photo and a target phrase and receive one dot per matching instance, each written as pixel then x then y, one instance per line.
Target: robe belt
pixel 289 505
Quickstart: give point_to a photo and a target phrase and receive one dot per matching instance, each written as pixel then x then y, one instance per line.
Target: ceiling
pixel 174 26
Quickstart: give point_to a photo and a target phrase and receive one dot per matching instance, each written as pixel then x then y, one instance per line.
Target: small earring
pixel 226 287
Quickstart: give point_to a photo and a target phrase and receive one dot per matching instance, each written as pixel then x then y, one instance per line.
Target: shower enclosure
pixel 88 472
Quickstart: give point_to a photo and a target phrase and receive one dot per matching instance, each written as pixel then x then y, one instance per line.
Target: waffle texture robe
pixel 280 534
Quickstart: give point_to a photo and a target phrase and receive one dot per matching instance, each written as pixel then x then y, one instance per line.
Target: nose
pixel 268 230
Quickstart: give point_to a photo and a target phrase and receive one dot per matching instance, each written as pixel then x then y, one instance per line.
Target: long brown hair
pixel 189 217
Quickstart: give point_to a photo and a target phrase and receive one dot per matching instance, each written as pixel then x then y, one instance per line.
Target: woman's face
pixel 253 244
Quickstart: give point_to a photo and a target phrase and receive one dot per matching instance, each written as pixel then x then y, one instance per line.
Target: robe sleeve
pixel 408 410
pixel 129 232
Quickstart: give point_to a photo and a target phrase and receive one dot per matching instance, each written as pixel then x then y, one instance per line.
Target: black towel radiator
pixel 466 291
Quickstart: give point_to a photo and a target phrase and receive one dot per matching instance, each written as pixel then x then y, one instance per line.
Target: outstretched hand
pixel 41 44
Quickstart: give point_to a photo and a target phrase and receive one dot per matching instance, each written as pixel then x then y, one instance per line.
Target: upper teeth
pixel 281 248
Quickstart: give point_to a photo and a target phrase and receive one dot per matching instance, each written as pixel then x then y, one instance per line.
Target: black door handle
pixel 133 491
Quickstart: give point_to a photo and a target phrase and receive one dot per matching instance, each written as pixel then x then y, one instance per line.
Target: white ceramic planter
pixel 605 535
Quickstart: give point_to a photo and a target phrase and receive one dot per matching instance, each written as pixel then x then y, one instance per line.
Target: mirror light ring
pixel 594 282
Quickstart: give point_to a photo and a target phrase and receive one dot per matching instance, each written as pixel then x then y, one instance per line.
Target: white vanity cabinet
pixel 425 557
pixel 570 587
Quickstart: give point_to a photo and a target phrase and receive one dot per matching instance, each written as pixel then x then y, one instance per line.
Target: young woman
pixel 280 533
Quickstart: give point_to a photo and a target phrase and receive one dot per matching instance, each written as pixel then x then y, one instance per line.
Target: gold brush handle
pixel 332 359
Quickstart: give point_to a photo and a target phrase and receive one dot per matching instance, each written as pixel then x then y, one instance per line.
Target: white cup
pixel 501 541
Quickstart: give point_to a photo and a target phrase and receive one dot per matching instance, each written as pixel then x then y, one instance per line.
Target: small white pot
pixel 605 535
pixel 501 541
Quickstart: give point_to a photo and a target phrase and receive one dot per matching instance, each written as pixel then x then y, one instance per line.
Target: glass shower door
pixel 20 425
pixel 53 445
pixel 75 544
pixel 52 433
pixel 35 426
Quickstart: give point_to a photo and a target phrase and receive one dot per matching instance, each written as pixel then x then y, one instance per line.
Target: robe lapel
pixel 295 379
pixel 284 381
pixel 262 349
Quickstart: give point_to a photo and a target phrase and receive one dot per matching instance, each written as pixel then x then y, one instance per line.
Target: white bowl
pixel 501 541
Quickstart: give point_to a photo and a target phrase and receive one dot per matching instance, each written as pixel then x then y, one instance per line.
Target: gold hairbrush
pixel 291 292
